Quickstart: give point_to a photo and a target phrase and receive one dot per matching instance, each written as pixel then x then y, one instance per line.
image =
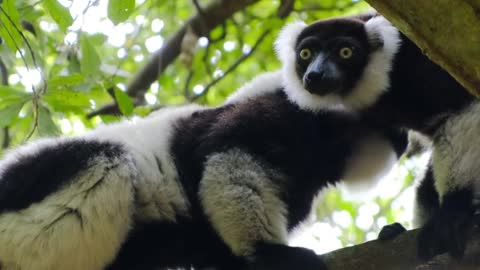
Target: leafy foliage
pixel 62 59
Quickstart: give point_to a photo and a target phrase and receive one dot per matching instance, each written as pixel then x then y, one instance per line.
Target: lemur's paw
pixel 391 231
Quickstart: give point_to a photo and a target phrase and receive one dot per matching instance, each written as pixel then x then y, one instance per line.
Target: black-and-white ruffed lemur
pixel 399 86
pixel 193 186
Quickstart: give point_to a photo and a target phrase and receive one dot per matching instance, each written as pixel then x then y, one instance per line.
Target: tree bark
pixel 399 254
pixel 448 31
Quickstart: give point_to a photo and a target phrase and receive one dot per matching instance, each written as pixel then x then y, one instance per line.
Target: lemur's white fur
pixel 456 152
pixel 371 161
pixel 376 76
pixel 374 81
pixel 160 196
pixel 242 202
pixel 261 84
pixel 75 227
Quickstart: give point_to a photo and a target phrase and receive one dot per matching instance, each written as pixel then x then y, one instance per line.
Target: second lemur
pixel 398 86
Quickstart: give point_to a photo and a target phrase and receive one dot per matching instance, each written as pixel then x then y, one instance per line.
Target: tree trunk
pixel 448 31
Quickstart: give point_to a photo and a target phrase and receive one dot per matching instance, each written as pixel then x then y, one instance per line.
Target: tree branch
pixel 286 7
pixel 213 15
pixel 448 32
pixel 312 8
pixel 400 254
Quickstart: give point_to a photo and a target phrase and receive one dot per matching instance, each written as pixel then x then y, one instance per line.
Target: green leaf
pixel 11 91
pixel 9 113
pixel 65 81
pixel 120 10
pixel 65 99
pixel 10 27
pixel 124 102
pixel 46 126
pixel 143 110
pixel 60 14
pixel 11 96
pixel 90 62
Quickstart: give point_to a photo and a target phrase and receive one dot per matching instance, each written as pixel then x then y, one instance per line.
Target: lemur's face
pixel 341 63
pixel 331 57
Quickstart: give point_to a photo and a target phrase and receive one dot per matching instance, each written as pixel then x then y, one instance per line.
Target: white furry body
pixel 456 151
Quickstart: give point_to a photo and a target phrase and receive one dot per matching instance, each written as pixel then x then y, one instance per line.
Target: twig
pixel 4 77
pixel 35 116
pixel 186 89
pixel 206 58
pixel 2 24
pixel 233 66
pixel 4 72
pixel 6 138
pixel 23 38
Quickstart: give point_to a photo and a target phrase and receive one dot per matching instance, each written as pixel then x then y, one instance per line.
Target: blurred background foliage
pixel 62 60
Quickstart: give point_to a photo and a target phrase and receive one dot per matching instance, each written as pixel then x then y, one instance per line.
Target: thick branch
pixel 212 16
pixel 399 254
pixel 448 31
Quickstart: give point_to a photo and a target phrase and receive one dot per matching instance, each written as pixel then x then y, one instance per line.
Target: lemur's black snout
pixel 321 77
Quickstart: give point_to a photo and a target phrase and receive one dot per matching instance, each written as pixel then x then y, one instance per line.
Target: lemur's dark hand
pixel 282 257
pixel 447 230
pixel 391 231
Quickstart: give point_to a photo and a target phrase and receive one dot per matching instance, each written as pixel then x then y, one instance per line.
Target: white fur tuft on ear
pixel 286 41
pixel 372 159
pixel 376 76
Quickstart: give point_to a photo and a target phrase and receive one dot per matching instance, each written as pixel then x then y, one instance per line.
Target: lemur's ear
pixel 375 41
pixel 382 34
pixel 287 38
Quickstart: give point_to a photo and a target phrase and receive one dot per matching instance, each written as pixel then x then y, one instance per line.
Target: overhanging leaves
pixel 120 10
pixel 59 13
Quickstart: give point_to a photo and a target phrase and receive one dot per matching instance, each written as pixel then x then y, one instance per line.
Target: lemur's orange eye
pixel 305 54
pixel 345 52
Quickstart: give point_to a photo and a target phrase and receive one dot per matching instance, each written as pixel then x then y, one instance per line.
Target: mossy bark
pixel 448 31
